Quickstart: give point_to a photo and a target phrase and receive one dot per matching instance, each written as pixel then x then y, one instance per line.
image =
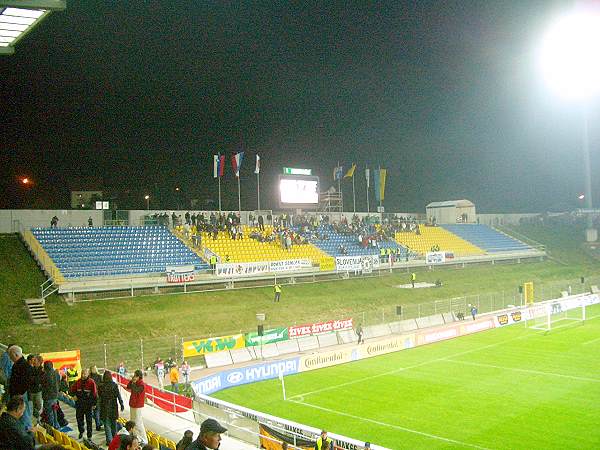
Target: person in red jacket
pixel 137 387
pixel 86 394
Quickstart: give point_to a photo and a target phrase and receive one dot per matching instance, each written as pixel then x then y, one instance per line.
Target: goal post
pixel 554 316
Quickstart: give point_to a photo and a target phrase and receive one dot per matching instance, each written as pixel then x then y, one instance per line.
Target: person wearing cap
pixel 209 437
pixel 323 442
pixel 367 446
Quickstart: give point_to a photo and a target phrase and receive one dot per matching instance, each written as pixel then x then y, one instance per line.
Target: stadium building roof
pixel 17 18
pixel 458 203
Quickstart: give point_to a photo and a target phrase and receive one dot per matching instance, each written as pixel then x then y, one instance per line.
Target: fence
pixel 142 352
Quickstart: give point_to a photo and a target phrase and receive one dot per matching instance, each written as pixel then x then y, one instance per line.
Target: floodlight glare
pixel 569 56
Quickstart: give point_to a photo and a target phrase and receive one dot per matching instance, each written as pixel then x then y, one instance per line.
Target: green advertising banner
pixel 269 337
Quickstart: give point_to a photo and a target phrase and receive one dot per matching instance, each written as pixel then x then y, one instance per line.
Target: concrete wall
pixel 12 219
pixel 505 219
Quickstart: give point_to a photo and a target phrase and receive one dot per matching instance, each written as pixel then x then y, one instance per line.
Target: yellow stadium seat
pixel 437 237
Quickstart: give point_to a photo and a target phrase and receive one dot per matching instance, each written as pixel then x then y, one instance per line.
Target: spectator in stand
pixel 35 388
pixel 5 370
pixel 54 222
pixel 49 381
pixel 90 222
pixel 174 377
pixel 149 447
pixel 125 431
pixel 187 439
pixel 185 371
pixel 261 223
pixel 86 395
pixel 129 443
pixel 94 375
pixel 108 395
pixel 136 402
pixel 12 434
pixel 19 382
pixel 209 437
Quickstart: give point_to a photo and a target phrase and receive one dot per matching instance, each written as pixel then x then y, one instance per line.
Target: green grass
pixel 507 388
pixel 161 321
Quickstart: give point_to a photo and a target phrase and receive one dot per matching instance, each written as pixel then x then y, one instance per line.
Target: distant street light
pixel 571 66
pixel 25 180
pixel 147 197
pixel 581 196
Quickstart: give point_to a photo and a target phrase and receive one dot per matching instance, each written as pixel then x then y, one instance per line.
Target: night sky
pixel 135 97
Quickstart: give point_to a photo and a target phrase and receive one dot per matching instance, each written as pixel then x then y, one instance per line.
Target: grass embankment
pixel 158 319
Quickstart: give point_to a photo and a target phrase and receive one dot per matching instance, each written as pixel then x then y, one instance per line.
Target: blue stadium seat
pixel 487 238
pixel 89 252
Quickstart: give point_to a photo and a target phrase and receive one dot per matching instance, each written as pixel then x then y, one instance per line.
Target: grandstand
pixel 335 240
pixel 114 251
pixel 487 238
pixel 248 249
pixel 431 237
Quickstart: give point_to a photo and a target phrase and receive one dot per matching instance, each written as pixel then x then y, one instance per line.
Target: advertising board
pixel 213 345
pixel 297 331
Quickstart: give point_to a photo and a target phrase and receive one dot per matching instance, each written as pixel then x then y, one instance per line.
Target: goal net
pixel 554 316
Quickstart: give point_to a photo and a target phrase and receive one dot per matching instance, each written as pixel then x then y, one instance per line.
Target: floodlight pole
pixel 591 234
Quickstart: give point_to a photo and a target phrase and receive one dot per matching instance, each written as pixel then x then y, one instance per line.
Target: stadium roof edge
pixel 18 18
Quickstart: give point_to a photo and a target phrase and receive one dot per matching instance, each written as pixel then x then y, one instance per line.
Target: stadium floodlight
pixel 569 56
pixel 17 18
pixel 570 64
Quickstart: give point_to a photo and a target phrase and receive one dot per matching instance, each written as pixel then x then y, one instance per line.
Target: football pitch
pixel 509 388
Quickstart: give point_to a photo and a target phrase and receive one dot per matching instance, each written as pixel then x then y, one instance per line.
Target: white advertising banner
pixel 242 269
pixel 364 264
pixel 180 274
pixel 290 264
pixel 435 257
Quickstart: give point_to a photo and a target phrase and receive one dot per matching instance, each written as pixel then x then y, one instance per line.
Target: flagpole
pixel 239 198
pixel 258 190
pixel 380 202
pixel 353 194
pixel 368 182
pixel 219 193
pixel 340 188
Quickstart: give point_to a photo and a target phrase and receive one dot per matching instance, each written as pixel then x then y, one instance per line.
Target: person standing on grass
pixel 413 278
pixel 137 387
pixel 108 396
pixel 277 289
pixel 174 377
pixel 185 371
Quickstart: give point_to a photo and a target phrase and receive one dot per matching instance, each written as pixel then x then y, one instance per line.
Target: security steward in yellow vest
pixel 323 442
pixel 72 375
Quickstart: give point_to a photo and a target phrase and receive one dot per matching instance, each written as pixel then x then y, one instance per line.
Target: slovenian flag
pixel 257 169
pixel 218 165
pixel 236 163
pixel 338 172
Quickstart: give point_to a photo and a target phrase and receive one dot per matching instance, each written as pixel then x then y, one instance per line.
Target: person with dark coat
pixel 209 437
pixel 20 381
pixel 94 375
pixel 86 393
pixel 50 380
pixel 108 395
pixel 12 434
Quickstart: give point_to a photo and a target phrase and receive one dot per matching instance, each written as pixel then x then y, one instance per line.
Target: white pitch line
pixel 389 425
pixel 533 372
pixel 401 369
pixel 591 342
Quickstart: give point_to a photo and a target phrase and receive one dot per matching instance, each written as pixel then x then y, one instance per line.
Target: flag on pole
pixel 257 169
pixel 218 165
pixel 236 163
pixel 368 177
pixel 350 172
pixel 382 176
pixel 337 173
